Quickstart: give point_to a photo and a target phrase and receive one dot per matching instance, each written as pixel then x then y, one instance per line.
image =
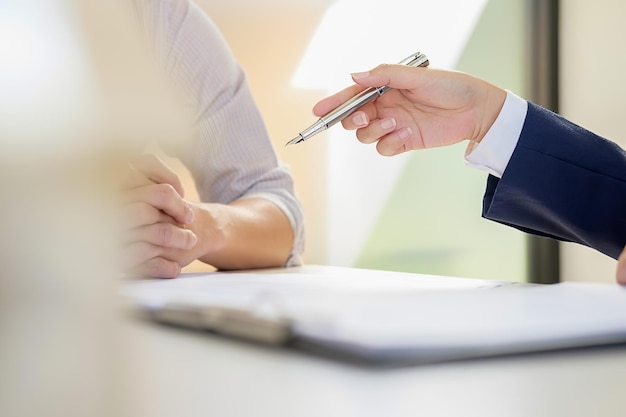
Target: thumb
pixel 621 268
pixel 395 76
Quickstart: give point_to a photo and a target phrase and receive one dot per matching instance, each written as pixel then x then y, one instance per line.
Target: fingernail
pixel 388 123
pixel 405 133
pixel 359 119
pixel 357 75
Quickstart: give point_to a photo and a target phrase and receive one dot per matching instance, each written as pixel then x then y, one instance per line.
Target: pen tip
pixel 295 140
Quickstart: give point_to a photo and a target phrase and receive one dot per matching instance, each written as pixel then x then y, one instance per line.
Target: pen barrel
pixel 417 59
pixel 350 106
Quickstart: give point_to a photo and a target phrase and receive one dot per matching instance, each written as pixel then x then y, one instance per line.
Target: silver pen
pixel 417 59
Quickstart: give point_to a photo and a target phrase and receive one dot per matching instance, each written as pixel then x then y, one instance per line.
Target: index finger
pixel 158 172
pixel 162 197
pixel 332 102
pixel 396 76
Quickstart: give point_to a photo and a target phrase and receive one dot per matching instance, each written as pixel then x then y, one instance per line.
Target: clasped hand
pixel 157 220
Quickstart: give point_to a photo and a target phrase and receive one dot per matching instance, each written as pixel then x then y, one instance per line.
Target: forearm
pixel 247 233
pixel 231 155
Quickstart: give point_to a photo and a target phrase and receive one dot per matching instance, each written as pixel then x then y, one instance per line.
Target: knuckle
pixel 165 234
pixel 165 193
pixel 166 190
pixel 162 268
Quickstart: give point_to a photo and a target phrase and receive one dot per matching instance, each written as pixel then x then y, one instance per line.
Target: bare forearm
pixel 248 233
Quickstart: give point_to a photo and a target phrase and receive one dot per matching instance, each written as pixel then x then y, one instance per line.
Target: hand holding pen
pixel 357 101
pixel 423 108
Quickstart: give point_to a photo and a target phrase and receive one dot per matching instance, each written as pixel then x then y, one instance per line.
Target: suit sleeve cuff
pixel 494 151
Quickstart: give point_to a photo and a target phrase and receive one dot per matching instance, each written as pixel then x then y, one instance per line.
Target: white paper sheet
pixel 398 316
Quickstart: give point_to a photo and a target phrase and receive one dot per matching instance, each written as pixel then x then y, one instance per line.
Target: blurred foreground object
pixel 78 92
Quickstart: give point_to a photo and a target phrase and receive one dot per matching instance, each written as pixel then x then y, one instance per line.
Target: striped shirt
pixel 230 156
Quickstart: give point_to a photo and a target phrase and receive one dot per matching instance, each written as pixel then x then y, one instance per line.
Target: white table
pixel 175 372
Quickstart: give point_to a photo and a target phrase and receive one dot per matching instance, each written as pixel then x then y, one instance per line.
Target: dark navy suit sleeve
pixel 563 182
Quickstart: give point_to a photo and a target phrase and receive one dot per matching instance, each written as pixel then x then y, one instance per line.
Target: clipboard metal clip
pixel 226 321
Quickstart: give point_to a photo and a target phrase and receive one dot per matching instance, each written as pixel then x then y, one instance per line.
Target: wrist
pixel 493 100
pixel 211 228
pixel 247 233
pixel 496 147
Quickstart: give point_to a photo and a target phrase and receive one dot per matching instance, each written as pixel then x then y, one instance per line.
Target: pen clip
pixel 417 59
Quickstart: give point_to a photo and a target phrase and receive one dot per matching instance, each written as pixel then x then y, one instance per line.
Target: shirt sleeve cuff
pixel 494 151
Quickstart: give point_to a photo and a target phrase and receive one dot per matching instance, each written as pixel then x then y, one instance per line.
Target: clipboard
pixel 381 318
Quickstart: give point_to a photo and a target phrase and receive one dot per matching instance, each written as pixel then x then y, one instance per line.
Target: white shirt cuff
pixel 494 151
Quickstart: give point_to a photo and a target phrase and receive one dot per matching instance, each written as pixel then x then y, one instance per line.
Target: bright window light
pixel 44 73
pixel 356 35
